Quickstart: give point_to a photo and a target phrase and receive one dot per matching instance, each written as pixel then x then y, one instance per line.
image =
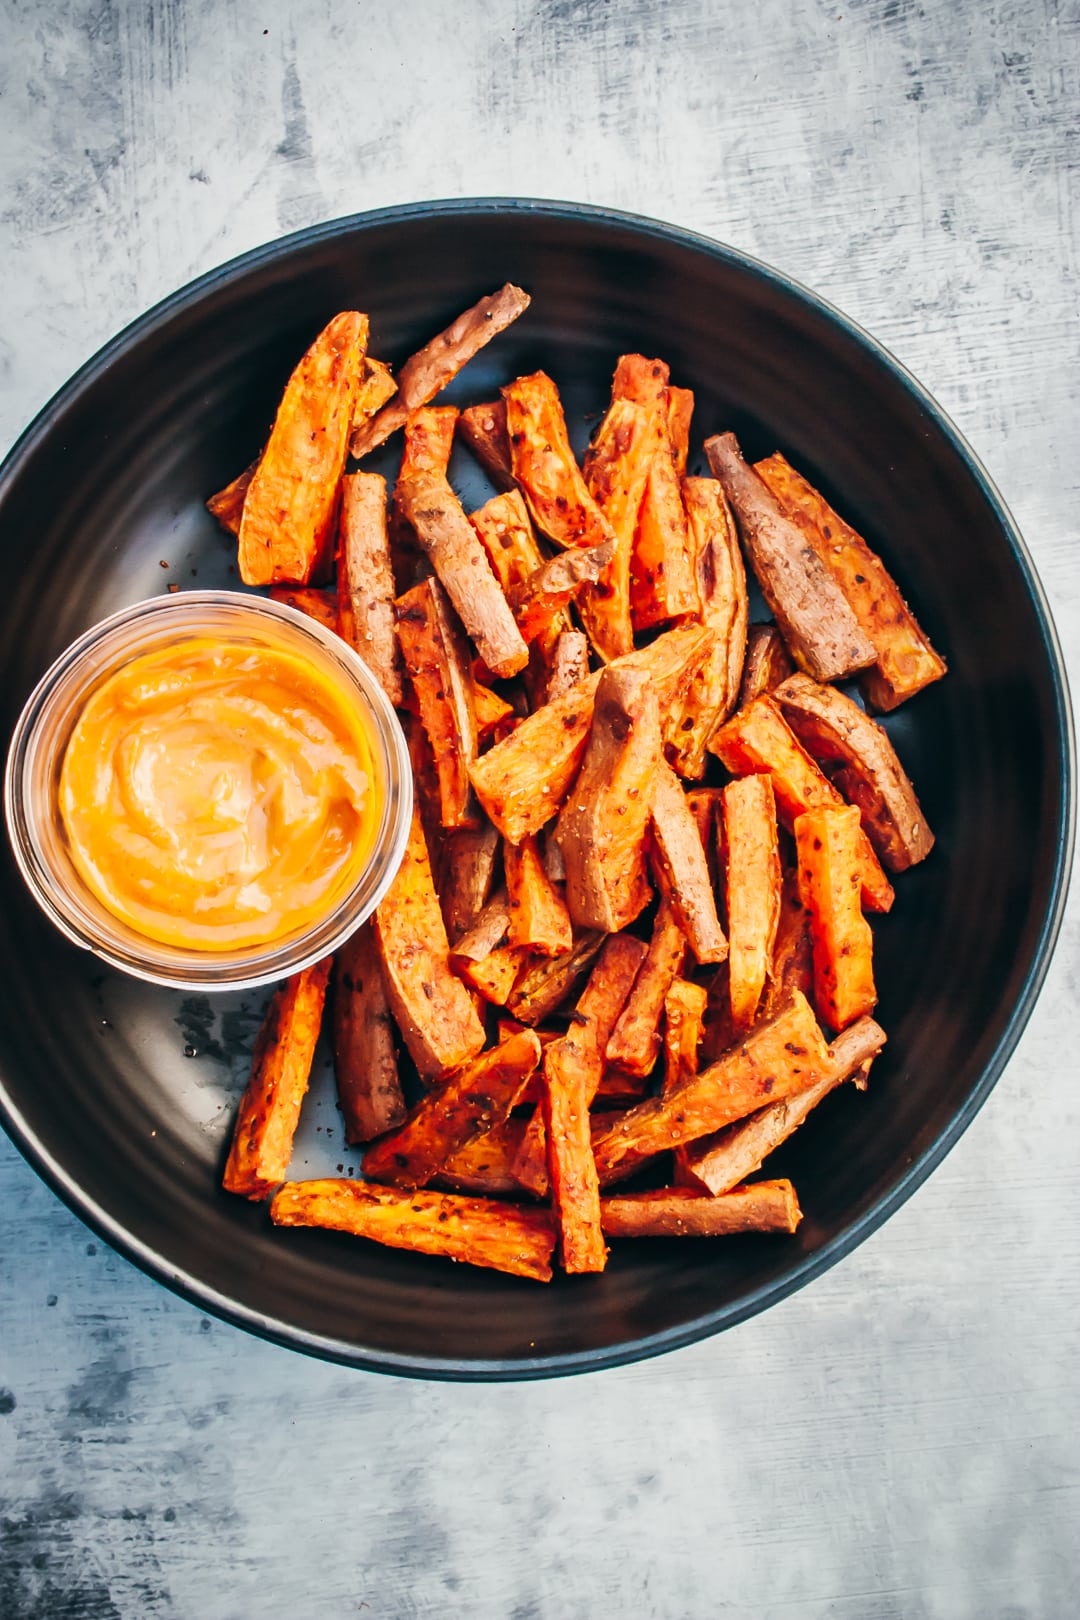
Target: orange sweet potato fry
pixel 906 662
pixel 753 891
pixel 759 740
pixel 635 1040
pixel 826 840
pixel 228 504
pixel 287 527
pixel 319 604
pixel 506 534
pixel 539 919
pixel 767 1206
pixel 684 1018
pixel 616 471
pixel 492 711
pixel 545 982
pixel 437 660
pixel 483 427
pixel 721 585
pixel 544 466
pixel 602 826
pixel 429 371
pixel 767 663
pixel 429 440
pixel 366 580
pixel 471 863
pixel 488 931
pixel 434 511
pixel 365 1052
pixel 426 795
pixel 281 1064
pixel 538 603
pixel 681 869
pixel 433 1009
pixel 494 976
pixel 776 1059
pixel 485 1166
pixel 821 631
pixel 575 1190
pixel 479 1231
pixel 680 409
pixel 470 1102
pixel 377 385
pixel 569 663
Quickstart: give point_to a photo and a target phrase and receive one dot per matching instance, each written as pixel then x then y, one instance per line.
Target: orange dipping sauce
pixel 217 796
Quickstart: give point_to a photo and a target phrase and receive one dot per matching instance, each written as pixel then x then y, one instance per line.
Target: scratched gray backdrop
pixel 899 1440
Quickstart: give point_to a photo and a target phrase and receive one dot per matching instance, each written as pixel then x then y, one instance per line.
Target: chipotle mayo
pixel 218 796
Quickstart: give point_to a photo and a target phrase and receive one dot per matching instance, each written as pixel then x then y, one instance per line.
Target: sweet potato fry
pixel 684 1018
pixel 575 1190
pixel 484 1167
pixel 426 795
pixel 759 740
pixel 635 1040
pixel 491 710
pixel 429 440
pixel 539 918
pixel 488 931
pixel 506 534
pixel 721 585
pixel 470 1102
pixel 718 1163
pixel 434 511
pixel 826 842
pixel 366 580
pixel 544 467
pixel 776 1059
pixel 616 471
pixel 429 371
pixel 601 828
pixel 479 1231
pixel 377 385
pixel 767 663
pixel 523 780
pixel 471 862
pixel 483 427
pixel 569 663
pixel 791 969
pixel 704 806
pixel 837 733
pixel 767 1206
pixel 365 1052
pixel 291 505
pixel 228 504
pixel 681 869
pixel 822 633
pixel 319 604
pixel 906 662
pixel 662 584
pixel 538 603
pixel 433 1009
pixel 437 660
pixel 680 404
pixel 280 1067
pixel 546 982
pixel 753 891
pixel 493 976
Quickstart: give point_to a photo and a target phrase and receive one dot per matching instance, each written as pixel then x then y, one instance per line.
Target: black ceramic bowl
pixel 107 486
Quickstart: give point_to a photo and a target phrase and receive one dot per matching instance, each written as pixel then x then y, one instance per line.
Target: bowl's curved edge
pixel 195 1292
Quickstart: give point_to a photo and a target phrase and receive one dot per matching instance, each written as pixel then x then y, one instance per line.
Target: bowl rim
pixel 922 1164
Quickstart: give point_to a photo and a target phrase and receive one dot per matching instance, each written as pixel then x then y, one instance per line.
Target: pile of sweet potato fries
pixel 629 930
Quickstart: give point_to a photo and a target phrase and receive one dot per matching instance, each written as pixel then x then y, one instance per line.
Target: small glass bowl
pixel 32 777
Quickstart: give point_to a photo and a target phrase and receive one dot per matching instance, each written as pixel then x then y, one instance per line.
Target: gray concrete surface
pixel 899 1440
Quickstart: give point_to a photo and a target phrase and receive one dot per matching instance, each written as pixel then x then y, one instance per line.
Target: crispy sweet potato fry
pixel 767 1206
pixel 319 604
pixel 753 891
pixel 718 1163
pixel 483 427
pixel 485 1166
pixel 776 1059
pixel 681 869
pixel 365 1053
pixel 479 1231
pixel 492 711
pixel 433 1009
pixel 721 585
pixel 488 931
pixel 680 413
pixel 280 1067
pixel 758 739
pixel 471 861
pixel 635 1041
pixel 767 663
pixel 906 662
pixel 437 660
pixel 544 467
pixel 601 828
pixel 493 976
pixel 569 663
pixel 822 633
pixel 228 504
pixel 575 1190
pixel 377 385
pixel 538 603
pixel 429 371
pixel 470 1102
pixel 791 969
pixel 366 580
pixel 287 526
pixel 539 919
pixel 840 734
pixel 434 511
pixel 662 584
pixel 684 1018
pixel 429 440
pixel 827 843
pixel 506 534
pixel 545 982
pixel 426 795
pixel 616 471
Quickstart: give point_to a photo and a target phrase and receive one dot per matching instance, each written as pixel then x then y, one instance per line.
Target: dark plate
pixel 108 484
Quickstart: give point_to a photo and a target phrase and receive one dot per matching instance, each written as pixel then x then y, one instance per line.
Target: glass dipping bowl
pixel 35 758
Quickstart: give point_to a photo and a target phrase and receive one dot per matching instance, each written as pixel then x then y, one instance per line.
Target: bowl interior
pixel 103 504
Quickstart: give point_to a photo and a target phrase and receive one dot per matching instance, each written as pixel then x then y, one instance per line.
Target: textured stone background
pixel 899 1440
